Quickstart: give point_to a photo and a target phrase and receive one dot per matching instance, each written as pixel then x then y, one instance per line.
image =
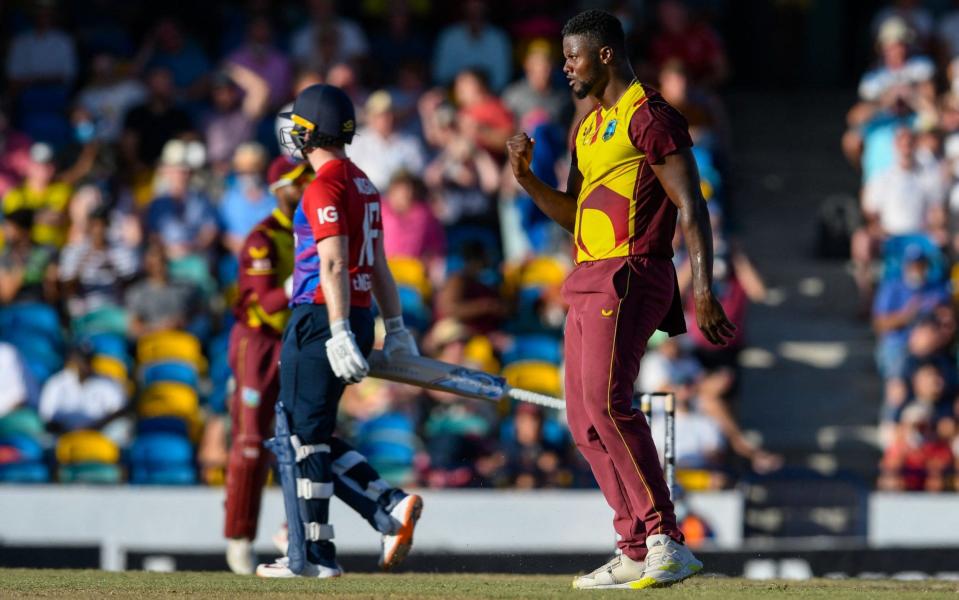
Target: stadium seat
pixel 458 236
pixel 32 319
pixel 31 472
pixel 20 448
pixel 111 367
pixel 411 272
pixel 534 347
pixel 24 421
pixel 90 473
pixel 194 269
pixel 86 446
pixel 107 319
pixel 416 313
pixel 169 399
pixel 170 425
pixel 542 271
pixel 171 345
pixel 161 459
pixel 479 353
pixel 535 375
pixel 389 443
pixel 110 344
pixel 172 371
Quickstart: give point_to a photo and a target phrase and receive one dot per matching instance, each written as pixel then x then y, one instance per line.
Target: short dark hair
pixel 600 26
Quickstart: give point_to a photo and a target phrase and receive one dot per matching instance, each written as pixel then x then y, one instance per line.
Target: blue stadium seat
pixel 28 448
pixel 416 313
pixel 33 318
pixel 534 347
pixel 33 472
pixel 170 370
pixel 161 459
pixel 111 344
pixel 389 443
pixel 169 425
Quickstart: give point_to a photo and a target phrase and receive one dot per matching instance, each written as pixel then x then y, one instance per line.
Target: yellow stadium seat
pixel 478 353
pixel 534 375
pixel 542 271
pixel 695 480
pixel 171 345
pixel 411 272
pixel 111 367
pixel 168 398
pixel 86 446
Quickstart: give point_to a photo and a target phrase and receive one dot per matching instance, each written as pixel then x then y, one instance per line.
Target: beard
pixel 581 89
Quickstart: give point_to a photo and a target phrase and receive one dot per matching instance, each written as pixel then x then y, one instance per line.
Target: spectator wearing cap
pixel 28 271
pixel 43 54
pixel 379 149
pixel 916 17
pixel 78 398
pixel 900 303
pixel 917 459
pixel 260 55
pixel 537 90
pixel 147 127
pixel 158 302
pixel 474 43
pixel 240 98
pixel 94 271
pixel 246 200
pixel 181 217
pixel 42 195
pixel 899 76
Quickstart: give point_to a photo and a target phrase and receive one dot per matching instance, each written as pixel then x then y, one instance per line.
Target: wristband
pixel 341 326
pixel 394 324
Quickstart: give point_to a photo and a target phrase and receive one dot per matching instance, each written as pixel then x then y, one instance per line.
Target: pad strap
pixel 318 532
pixel 305 450
pixel 309 490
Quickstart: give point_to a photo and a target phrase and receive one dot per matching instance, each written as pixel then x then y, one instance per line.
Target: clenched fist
pixel 520 151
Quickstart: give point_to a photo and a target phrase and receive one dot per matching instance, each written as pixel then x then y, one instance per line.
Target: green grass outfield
pixel 27 583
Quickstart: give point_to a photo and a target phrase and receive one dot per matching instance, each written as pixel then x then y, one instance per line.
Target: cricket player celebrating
pixel 339 264
pixel 632 172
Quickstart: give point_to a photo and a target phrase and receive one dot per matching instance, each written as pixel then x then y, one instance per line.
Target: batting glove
pixel 344 355
pixel 398 340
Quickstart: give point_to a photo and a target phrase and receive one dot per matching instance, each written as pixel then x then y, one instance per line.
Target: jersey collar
pixel 282 219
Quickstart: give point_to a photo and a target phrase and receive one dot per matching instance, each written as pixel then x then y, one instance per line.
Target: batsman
pixel 632 174
pixel 339 266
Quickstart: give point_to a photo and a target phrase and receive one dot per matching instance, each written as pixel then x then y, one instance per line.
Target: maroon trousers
pixel 254 357
pixel 615 306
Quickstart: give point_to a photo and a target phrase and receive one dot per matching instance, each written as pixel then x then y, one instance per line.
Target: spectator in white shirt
pixel 901 200
pixel 76 398
pixel 899 74
pixel 381 151
pixel 43 54
pixel 699 439
pixel 473 43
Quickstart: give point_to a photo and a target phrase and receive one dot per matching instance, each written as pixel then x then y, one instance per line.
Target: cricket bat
pixel 445 377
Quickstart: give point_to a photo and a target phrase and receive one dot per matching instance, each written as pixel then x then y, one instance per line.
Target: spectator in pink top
pixel 410 227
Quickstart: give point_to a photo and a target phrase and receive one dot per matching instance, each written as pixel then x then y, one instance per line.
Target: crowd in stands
pixel 903 136
pixel 133 146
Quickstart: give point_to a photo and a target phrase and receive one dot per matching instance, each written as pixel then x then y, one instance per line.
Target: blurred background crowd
pixel 903 136
pixel 134 141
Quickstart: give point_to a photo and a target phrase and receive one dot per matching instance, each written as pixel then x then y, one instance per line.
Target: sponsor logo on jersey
pixel 327 214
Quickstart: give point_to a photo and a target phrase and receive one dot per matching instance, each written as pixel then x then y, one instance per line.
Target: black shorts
pixel 309 390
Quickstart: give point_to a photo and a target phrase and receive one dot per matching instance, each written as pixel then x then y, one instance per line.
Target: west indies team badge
pixel 610 130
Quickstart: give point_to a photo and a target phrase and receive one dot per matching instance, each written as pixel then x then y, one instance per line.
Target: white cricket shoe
pixel 281 570
pixel 240 556
pixel 621 572
pixel 396 547
pixel 667 562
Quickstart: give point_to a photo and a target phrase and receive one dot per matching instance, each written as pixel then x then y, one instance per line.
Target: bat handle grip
pixel 534 398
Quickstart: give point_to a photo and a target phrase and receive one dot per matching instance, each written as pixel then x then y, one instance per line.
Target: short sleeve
pixel 657 130
pixel 325 209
